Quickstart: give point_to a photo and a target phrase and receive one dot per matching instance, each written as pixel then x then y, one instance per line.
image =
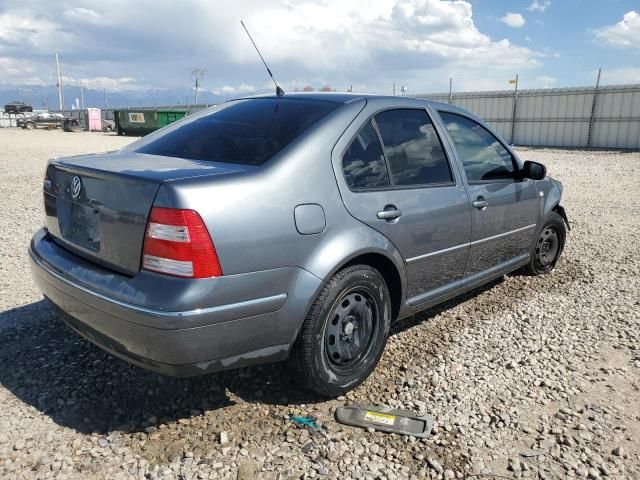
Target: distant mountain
pixel 41 97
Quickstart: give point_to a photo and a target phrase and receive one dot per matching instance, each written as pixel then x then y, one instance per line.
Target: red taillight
pixel 177 243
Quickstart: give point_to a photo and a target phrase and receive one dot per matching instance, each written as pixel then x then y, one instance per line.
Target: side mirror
pixel 533 170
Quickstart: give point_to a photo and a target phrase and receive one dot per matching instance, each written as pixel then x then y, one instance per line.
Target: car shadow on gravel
pixel 48 366
pixel 428 314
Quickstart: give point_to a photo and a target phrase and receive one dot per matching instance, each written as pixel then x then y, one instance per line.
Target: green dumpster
pixel 165 118
pixel 142 122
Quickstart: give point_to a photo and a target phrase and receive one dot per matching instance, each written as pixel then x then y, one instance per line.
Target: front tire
pixel 548 245
pixel 344 333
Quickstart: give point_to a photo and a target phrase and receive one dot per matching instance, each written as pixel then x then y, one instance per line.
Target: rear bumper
pixel 178 342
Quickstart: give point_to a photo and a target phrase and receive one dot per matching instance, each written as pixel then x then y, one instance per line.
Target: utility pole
pixel 106 103
pixel 197 74
pixel 593 109
pixel 515 106
pixel 394 89
pixel 59 84
pixel 450 89
pixel 82 94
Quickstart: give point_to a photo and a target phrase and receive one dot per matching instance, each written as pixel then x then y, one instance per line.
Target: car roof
pixel 346 97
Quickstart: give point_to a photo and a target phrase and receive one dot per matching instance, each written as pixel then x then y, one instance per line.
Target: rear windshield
pixel 246 132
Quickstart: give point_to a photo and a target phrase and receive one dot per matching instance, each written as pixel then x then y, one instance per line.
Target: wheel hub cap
pixel 348 325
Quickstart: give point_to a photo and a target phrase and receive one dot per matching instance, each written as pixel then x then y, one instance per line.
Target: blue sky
pixel 566 29
pixel 142 45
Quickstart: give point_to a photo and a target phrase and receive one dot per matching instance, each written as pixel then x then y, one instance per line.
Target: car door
pixel 504 209
pixel 395 176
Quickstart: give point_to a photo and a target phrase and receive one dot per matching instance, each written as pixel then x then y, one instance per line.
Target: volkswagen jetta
pixel 299 226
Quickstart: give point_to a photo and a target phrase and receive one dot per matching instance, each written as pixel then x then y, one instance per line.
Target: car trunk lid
pixel 97 205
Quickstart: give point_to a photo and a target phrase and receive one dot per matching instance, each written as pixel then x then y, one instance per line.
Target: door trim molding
pixel 437 252
pixel 493 237
pixel 468 244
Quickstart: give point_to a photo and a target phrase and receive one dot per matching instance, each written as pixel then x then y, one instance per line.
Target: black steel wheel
pixel 351 325
pixel 344 333
pixel 548 245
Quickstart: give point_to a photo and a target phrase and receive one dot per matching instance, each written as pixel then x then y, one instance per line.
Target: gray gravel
pixel 527 377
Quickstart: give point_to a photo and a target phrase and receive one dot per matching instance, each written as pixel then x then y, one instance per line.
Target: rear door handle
pixel 480 203
pixel 390 212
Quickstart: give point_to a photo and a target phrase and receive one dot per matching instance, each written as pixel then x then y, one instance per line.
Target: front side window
pixel 363 162
pixel 248 132
pixel 412 147
pixel 484 158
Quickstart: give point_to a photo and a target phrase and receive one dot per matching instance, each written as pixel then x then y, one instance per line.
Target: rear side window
pixel 412 147
pixel 363 162
pixel 483 157
pixel 246 132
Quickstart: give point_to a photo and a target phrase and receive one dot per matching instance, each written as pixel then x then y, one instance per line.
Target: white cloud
pixel 19 31
pixel 121 84
pixel 625 33
pixel 319 42
pixel 538 6
pixel 229 90
pixel 545 81
pixel 402 33
pixel 83 15
pixel 514 20
pixel 28 73
pixel 619 76
pixel 13 69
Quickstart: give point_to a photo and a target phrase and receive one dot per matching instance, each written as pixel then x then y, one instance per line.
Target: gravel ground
pixel 526 377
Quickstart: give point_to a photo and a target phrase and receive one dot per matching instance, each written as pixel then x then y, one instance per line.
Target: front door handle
pixel 480 203
pixel 389 213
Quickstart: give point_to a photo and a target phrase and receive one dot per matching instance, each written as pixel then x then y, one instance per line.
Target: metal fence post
pixel 593 109
pixel 513 114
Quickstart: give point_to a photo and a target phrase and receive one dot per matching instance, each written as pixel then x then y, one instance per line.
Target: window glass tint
pixel 483 156
pixel 245 132
pixel 363 162
pixel 412 147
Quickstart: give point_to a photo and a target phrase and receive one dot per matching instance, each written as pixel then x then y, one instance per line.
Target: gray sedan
pixel 296 227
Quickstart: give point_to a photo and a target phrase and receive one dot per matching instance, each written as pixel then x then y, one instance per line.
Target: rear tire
pixel 344 333
pixel 548 245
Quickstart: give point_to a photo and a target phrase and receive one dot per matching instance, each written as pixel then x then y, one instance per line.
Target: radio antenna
pixel 279 91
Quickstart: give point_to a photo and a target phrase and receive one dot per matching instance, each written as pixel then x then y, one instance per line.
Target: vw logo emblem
pixel 76 186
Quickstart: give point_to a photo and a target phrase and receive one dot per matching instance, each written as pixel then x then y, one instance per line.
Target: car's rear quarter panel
pixel 251 216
